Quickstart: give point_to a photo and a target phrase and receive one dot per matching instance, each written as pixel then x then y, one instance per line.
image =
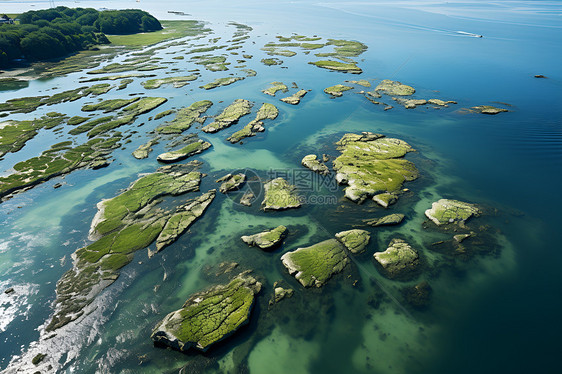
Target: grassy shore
pixel 172 30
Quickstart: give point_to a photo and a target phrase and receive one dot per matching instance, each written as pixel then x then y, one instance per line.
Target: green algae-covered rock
pixel 267 111
pixel 391 219
pixel 231 182
pixel 230 115
pixel 144 149
pixel 315 265
pixel 275 86
pixel 221 82
pixel 279 195
pixel 343 67
pixel 447 211
pixel 361 82
pixel 337 90
pixel 178 82
pixel 185 118
pixel 393 88
pixel 210 316
pixel 371 164
pixel 266 239
pixel 185 152
pixel 295 98
pixel 279 293
pixel 399 260
pixel 182 219
pixel 312 162
pixel 354 240
pixel 385 199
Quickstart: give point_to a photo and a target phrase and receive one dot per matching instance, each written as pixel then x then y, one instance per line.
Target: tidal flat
pixel 349 199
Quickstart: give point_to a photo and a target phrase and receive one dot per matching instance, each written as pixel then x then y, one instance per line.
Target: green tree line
pixel 52 33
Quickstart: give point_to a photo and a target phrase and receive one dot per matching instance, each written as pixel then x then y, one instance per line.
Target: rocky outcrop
pixel 208 317
pixel 267 111
pixel 275 87
pixel 280 195
pixel 189 150
pixel 311 162
pixel 230 115
pixel 354 240
pixel 446 211
pixel 182 219
pixel 337 90
pixel 371 164
pixel 385 199
pixel 399 260
pixel 144 149
pixel 231 182
pixel 247 198
pixel 295 98
pixel 315 265
pixel 487 109
pixel 267 239
pixel 391 219
pixel 393 88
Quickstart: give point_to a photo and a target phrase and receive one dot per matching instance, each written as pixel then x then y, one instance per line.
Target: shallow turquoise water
pixel 490 314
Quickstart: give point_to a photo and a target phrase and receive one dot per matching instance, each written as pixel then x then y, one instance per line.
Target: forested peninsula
pixel 53 33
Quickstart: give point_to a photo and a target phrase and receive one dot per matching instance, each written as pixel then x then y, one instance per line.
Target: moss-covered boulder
pixel 230 115
pixel 385 199
pixel 295 98
pixel 185 152
pixel 372 164
pixel 337 90
pixel 315 265
pixel 266 239
pixel 231 182
pixel 210 316
pixel 183 218
pixel 393 88
pixel 399 260
pixel 280 195
pixel 388 220
pixel 313 163
pixel 354 240
pixel 446 211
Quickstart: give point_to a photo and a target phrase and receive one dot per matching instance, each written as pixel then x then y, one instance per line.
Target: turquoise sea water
pixel 492 313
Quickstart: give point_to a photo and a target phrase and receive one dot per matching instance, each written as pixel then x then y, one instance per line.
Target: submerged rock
pixel 315 265
pixel 385 199
pixel 439 102
pixel 371 164
pixel 185 152
pixel 266 239
pixel 391 219
pixel 393 88
pixel 247 198
pixel 337 90
pixel 279 195
pixel 312 162
pixel 209 316
pixel 399 259
pixel 419 295
pixel 354 240
pixel 231 182
pixel 183 217
pixel 8 291
pixel 487 109
pixel 279 293
pixel 446 211
pixel 295 98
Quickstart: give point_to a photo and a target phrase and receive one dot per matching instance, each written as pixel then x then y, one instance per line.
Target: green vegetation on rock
pixel 231 182
pixel 276 86
pixel 271 61
pixel 209 316
pixel 393 88
pixel 354 240
pixel 189 150
pixel 280 195
pixel 388 220
pixel 337 90
pixel 399 260
pixel 371 164
pixel 177 82
pixel 109 105
pixel 267 111
pixel 185 118
pixel 295 98
pixel 267 239
pixel 229 116
pixel 219 82
pixel 315 265
pixel 338 66
pixel 144 149
pixel 311 162
pixel 446 211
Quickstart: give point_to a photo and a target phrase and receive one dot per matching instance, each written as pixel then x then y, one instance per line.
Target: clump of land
pixel 267 111
pixel 266 240
pixel 355 240
pixel 230 115
pixel 231 182
pixel 275 87
pixel 343 67
pixel 399 260
pixel 210 316
pixel 337 90
pixel 313 163
pixel 447 211
pixel 394 88
pixel 193 148
pixel 177 82
pixel 185 118
pixel 280 195
pixel 295 98
pixel 372 164
pixel 219 82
